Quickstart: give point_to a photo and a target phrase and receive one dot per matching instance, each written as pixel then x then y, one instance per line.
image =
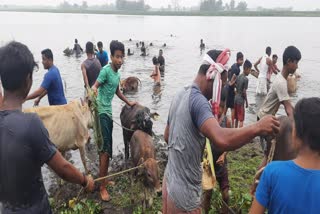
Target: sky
pixel 296 4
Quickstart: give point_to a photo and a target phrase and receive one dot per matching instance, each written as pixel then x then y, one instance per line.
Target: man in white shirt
pixel 265 62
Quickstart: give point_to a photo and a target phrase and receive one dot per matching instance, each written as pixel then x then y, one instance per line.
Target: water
pixel 250 35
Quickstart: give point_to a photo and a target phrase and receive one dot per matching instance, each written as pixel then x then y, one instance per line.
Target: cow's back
pixel 141 146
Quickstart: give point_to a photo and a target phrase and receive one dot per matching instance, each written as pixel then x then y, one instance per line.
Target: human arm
pixel 230 139
pixel 246 98
pixel 256 64
pixel 233 80
pixel 288 108
pixel 37 93
pixel 37 101
pixel 95 87
pixel 84 75
pixel 257 208
pixel 283 96
pixel 222 158
pixel 123 98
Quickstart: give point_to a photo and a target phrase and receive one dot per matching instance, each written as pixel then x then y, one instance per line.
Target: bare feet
pixel 104 194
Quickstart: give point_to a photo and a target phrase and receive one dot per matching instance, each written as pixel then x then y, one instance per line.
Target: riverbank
pixel 267 13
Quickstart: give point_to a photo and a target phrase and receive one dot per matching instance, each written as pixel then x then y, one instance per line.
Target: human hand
pixel 95 90
pixel 247 105
pixel 36 102
pixel 221 159
pixel 268 125
pixel 131 104
pixel 90 184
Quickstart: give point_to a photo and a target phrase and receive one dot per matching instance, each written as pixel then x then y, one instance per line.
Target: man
pixel 293 186
pixel 102 55
pixel 143 50
pixel 232 77
pixel 272 69
pixel 278 94
pixel 51 84
pixel 265 64
pixel 190 121
pixel 77 48
pixel 161 60
pixel 90 67
pixel 108 85
pixel 25 145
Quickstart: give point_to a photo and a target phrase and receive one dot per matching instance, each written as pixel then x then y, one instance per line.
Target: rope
pixel 110 176
pixel 225 204
pixel 272 149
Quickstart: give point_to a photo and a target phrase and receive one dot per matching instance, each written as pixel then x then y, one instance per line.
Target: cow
pixel 284 148
pixel 130 84
pixel 134 118
pixel 68 125
pixel 143 152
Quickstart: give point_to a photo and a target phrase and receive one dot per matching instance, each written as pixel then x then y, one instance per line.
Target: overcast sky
pixel 296 4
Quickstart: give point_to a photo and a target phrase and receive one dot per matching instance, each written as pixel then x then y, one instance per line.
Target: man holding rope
pixel 108 85
pixel 190 121
pixel 25 145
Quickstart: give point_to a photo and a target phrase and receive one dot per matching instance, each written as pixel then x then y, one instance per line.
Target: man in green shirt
pixel 107 85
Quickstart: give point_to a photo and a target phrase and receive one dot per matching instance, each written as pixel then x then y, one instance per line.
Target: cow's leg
pixel 83 158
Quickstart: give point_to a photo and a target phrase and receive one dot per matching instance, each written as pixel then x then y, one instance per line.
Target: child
pixel 156 72
pixel 108 85
pixel 241 96
pixel 272 69
pixel 293 186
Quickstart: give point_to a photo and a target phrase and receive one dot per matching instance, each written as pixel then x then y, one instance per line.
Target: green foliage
pixel 83 206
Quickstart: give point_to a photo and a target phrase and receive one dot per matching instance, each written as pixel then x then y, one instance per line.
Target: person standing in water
pixel 161 61
pixel 77 48
pixel 156 71
pixel 265 64
pixel 102 55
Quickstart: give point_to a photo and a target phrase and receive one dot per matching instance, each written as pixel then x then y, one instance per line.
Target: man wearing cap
pixel 190 122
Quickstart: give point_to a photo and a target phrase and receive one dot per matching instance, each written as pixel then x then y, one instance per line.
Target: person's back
pixel 293 188
pixel 93 68
pixel 102 57
pixel 241 86
pixel 264 67
pixel 24 148
pixel 53 84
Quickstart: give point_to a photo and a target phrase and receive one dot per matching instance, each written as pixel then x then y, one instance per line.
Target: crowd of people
pixel 197 113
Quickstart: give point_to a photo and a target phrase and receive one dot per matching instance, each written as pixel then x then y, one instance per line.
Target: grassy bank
pixel 174 13
pixel 127 198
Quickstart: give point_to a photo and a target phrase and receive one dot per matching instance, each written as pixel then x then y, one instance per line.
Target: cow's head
pixel 143 121
pixel 151 175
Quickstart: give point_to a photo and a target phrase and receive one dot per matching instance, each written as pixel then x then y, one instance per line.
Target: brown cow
pixel 134 118
pixel 68 125
pixel 130 84
pixel 143 152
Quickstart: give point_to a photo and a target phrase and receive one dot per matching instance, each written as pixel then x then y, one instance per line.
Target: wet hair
pixel 291 54
pixel 16 63
pixel 89 48
pixel 268 50
pixel 213 55
pixel 99 44
pixel 161 50
pixel 155 60
pixel 47 53
pixel 274 56
pixel 76 41
pixel 239 56
pixel 115 45
pixel 247 64
pixel 307 121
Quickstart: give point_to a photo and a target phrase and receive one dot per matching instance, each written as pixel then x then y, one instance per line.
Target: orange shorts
pixel 239 112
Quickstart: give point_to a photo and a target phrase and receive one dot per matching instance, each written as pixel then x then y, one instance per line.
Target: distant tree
pixel 211 5
pixel 175 4
pixel 227 7
pixel 65 5
pixel 75 6
pixel 232 4
pixel 84 5
pixel 242 6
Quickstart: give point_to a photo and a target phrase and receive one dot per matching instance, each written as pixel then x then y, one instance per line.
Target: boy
pixel 241 96
pixel 265 64
pixel 51 84
pixel 25 145
pixel 232 75
pixel 156 72
pixel 293 186
pixel 77 48
pixel 272 69
pixel 102 55
pixel 108 85
pixel 90 67
pixel 161 61
pixel 278 93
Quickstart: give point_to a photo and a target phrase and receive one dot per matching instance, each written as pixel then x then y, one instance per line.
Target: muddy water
pixel 182 54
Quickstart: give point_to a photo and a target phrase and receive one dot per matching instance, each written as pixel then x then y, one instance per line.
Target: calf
pixel 130 84
pixel 68 125
pixel 143 152
pixel 134 118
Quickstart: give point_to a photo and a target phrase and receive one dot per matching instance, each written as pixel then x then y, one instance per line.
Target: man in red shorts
pixel 241 95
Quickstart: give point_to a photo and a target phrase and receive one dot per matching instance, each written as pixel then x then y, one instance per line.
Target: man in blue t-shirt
pixel 102 55
pixel 51 84
pixel 293 186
